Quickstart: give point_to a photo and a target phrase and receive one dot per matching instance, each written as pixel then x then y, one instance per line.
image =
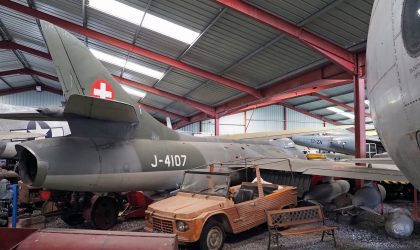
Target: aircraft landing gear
pixel 73 219
pixel 103 212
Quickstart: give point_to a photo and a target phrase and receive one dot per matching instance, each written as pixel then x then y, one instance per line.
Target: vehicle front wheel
pixel 213 236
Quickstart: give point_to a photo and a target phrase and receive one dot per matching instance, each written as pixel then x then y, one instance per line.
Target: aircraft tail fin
pixel 91 92
pixel 80 73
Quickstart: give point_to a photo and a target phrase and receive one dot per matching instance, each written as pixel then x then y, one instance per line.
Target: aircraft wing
pixel 387 160
pixel 6 135
pixel 31 116
pixel 282 133
pixel 339 169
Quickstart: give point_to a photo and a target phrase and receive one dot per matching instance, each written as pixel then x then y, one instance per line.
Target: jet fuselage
pixel 393 81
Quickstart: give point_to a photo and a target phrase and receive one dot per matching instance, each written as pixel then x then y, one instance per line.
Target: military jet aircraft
pixel 393 78
pixel 344 144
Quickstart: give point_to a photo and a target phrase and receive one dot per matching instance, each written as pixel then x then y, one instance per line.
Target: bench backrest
pixel 294 216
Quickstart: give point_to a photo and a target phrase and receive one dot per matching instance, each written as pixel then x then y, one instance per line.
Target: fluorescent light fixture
pixel 118 9
pixel 128 65
pixel 133 91
pixel 341 112
pixel 151 22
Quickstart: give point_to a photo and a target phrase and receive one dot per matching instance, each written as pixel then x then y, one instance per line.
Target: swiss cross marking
pixel 102 89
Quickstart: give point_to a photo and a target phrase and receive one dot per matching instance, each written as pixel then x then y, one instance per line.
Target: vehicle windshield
pixel 205 183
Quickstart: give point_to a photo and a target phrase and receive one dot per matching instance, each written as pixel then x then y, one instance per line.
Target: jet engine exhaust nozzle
pixel 29 170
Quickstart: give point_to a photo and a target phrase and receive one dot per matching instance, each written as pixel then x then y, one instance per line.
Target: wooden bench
pixel 277 220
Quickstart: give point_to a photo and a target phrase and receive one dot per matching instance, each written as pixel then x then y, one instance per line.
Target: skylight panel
pixel 118 9
pixel 127 64
pixel 151 22
pixel 133 91
pixel 170 29
pixel 341 112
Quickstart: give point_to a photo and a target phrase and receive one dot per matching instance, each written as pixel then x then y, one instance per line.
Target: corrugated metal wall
pixel 296 120
pixel 265 119
pixel 191 129
pixel 33 99
pixel 207 126
pixel 232 124
pixel 259 120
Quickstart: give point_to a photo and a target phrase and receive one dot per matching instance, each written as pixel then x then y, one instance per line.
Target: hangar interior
pixel 223 43
pixel 214 68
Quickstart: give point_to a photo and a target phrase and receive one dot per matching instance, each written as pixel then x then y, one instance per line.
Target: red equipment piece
pixel 138 204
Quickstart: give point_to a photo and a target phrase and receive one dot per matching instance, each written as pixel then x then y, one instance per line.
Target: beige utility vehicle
pixel 206 207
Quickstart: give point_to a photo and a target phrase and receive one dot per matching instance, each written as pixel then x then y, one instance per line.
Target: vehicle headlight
pixel 148 217
pixel 181 226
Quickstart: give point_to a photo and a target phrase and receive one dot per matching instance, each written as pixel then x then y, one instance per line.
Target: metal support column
pixel 217 126
pixel 284 118
pixel 15 189
pixel 360 119
pixel 245 123
pixel 415 205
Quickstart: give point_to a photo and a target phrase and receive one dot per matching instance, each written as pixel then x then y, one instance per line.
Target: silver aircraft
pixel 13 132
pixel 393 81
pixel 344 144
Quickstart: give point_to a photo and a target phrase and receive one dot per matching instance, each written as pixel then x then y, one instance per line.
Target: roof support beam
pixel 202 107
pixel 197 105
pixel 328 99
pixel 16 46
pixel 316 80
pixel 129 47
pixel 309 88
pixel 324 77
pixel 167 113
pixel 25 71
pixel 326 48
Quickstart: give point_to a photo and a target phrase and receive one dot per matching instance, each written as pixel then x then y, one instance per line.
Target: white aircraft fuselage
pixel 393 81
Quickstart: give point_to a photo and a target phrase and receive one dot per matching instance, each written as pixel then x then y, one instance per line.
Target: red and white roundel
pixel 102 89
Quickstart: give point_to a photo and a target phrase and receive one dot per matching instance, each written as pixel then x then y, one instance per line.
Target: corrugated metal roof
pixel 292 10
pixel 180 82
pixel 232 37
pixel 21 27
pixel 19 80
pixel 284 56
pixel 40 64
pixel 69 10
pixel 8 60
pixel 234 46
pixel 211 93
pixel 110 25
pixel 180 108
pixel 3 85
pixel 156 101
pixel 347 24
